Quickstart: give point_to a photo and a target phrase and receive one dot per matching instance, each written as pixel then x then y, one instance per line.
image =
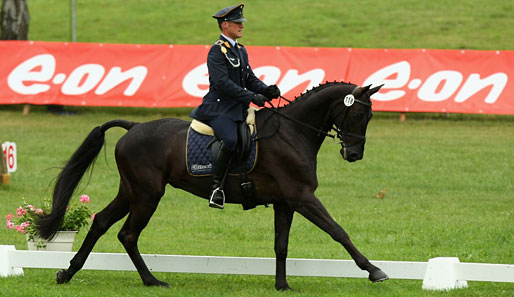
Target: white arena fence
pixel 443 273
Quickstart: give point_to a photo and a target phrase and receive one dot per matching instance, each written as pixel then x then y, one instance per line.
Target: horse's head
pixel 351 115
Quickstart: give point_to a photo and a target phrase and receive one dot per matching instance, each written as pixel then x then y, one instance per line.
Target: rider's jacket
pixel 232 83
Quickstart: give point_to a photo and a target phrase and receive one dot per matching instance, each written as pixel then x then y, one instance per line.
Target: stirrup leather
pixel 217 204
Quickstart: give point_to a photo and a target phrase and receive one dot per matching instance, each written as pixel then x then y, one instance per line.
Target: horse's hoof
pixel 378 276
pixel 283 288
pixel 157 283
pixel 61 277
pixel 164 284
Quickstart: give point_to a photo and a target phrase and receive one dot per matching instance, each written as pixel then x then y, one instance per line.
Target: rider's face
pixel 233 30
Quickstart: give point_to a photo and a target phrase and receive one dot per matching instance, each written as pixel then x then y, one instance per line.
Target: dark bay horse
pixel 152 154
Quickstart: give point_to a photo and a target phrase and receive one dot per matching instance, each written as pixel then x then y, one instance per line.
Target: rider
pixel 233 85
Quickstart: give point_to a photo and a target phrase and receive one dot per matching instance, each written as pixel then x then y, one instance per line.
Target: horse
pixel 151 155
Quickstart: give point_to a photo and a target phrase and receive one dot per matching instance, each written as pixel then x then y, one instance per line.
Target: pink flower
pixel 38 211
pixel 84 198
pixel 20 229
pixel 20 212
pixel 31 207
pixel 9 216
pixel 10 224
pixel 93 216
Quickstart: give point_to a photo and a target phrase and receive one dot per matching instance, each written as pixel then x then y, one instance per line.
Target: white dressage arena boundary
pixel 444 273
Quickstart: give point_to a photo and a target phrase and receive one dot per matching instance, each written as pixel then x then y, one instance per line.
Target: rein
pixel 339 133
pixel 275 110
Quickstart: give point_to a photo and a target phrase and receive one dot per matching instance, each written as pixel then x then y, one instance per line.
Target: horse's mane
pixel 315 90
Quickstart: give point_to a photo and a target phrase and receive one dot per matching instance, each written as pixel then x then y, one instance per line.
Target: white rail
pixel 437 273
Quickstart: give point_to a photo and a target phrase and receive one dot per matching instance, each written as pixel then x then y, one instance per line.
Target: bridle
pixel 349 100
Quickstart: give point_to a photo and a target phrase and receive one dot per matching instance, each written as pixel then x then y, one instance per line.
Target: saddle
pixel 202 146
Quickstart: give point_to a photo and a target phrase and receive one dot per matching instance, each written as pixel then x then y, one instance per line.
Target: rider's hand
pixel 259 99
pixel 272 92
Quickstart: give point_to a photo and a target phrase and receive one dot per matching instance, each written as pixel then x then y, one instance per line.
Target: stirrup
pixel 216 203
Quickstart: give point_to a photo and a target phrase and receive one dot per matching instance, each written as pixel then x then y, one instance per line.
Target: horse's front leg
pixel 314 211
pixel 283 220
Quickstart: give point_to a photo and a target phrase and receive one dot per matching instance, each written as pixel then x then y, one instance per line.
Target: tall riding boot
pixel 221 164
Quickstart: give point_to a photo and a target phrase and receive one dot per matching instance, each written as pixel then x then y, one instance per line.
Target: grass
pixel 441 24
pixel 96 283
pixel 448 192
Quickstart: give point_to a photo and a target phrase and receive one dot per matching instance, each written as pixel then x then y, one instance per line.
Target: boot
pixel 221 164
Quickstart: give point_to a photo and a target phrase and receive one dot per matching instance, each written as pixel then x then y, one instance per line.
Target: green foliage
pixel 76 218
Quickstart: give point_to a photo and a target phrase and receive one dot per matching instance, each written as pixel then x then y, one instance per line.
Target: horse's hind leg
pixel 114 212
pixel 137 220
pixel 283 220
pixel 314 211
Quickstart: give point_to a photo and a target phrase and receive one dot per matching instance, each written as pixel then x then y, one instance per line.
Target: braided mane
pixel 315 90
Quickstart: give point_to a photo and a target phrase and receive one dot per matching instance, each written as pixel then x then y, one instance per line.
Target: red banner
pixel 176 75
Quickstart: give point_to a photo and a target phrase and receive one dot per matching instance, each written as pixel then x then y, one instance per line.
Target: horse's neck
pixel 313 110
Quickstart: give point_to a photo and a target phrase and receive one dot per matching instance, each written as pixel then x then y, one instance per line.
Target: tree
pixel 15 20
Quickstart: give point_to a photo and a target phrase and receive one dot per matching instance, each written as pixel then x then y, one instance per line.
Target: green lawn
pixel 442 24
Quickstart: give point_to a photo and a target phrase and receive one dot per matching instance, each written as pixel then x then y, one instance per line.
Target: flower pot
pixel 62 241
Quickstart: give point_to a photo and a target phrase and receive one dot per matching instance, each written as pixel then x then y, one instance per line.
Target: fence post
pixel 441 274
pixel 5 177
pixel 5 263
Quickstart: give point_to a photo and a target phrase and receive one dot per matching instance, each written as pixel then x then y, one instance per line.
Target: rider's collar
pixel 232 41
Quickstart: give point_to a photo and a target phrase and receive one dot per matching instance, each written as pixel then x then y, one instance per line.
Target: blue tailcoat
pixel 232 83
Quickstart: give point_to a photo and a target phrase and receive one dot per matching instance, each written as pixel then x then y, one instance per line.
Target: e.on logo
pixel 437 87
pixel 196 81
pixel 35 75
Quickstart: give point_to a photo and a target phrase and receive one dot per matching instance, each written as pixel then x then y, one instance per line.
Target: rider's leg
pixel 226 130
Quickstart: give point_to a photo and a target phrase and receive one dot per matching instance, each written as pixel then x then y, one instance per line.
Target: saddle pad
pixel 199 156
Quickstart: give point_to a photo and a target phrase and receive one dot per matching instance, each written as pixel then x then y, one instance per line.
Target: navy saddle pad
pixel 199 156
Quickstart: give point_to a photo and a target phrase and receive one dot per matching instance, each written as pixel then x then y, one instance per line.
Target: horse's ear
pixel 361 90
pixel 375 89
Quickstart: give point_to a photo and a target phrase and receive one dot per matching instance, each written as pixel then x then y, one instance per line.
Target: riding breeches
pixel 225 129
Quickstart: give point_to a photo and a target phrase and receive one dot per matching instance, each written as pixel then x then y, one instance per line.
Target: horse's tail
pixel 70 176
